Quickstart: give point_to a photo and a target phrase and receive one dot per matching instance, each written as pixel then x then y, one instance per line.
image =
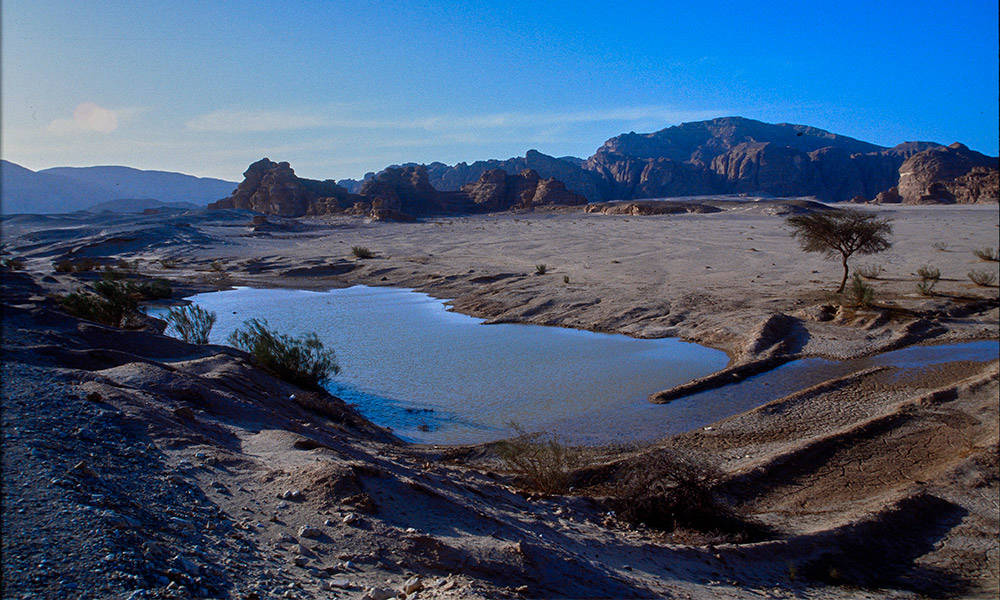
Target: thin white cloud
pixel 88 117
pixel 250 121
pixel 255 121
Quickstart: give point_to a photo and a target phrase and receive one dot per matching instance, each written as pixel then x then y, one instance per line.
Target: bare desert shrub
pixel 192 323
pixel 565 278
pixel 987 254
pixel 12 264
pixel 929 273
pixel 80 265
pixel 982 278
pixel 302 360
pixel 940 246
pixel 362 252
pixel 869 271
pixel 671 491
pixel 539 460
pixel 541 268
pixel 926 287
pixel 110 302
pixel 859 293
pixel 169 263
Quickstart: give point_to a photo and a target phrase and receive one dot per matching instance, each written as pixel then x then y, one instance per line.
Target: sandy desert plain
pixel 140 466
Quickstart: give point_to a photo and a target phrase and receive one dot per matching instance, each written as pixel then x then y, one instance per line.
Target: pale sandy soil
pixel 874 485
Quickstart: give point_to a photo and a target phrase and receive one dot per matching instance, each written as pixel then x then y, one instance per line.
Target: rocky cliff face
pixel 736 155
pixel 273 188
pixel 949 174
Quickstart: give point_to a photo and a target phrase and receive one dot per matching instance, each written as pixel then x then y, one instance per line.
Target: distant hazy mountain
pixel 132 205
pixel 68 189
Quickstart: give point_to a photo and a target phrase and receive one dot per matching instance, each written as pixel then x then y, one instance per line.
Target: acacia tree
pixel 842 232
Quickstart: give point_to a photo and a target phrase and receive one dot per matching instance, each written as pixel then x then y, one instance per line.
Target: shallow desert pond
pixel 410 364
pixel 436 376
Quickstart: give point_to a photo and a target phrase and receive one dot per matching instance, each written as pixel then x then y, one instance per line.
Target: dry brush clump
pixel 362 252
pixel 302 360
pixel 675 492
pixel 540 461
pixel 987 254
pixel 982 278
pixel 869 271
pixel 541 269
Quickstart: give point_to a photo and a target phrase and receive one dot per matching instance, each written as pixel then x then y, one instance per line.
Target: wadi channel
pixel 140 466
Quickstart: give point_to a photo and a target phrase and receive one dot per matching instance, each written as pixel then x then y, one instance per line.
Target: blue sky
pixel 341 88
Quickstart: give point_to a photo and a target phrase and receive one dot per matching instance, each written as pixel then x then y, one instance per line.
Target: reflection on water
pixel 441 377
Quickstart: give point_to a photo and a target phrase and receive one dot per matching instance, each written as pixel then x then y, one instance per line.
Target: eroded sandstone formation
pixel 273 188
pixel 949 174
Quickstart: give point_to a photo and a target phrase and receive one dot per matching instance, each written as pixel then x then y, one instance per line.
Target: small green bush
pixel 154 289
pixel 192 323
pixel 870 271
pixel 929 273
pixel 987 254
pixel 860 293
pixel 540 269
pixel 982 278
pixel 110 302
pixel 539 460
pixel 302 361
pixel 362 252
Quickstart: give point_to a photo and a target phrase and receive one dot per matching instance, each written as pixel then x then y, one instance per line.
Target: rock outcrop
pixel 394 194
pixel 949 174
pixel 273 188
pixel 497 190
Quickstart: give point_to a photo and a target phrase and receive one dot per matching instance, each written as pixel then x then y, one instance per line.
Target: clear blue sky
pixel 341 88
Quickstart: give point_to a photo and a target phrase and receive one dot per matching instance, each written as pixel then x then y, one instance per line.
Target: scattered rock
pixel 309 532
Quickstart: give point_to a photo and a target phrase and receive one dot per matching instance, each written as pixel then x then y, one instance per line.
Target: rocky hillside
pixel 949 174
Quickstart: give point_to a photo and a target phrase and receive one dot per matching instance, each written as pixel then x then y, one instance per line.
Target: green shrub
pixel 929 273
pixel 539 460
pixel 982 278
pixel 302 361
pixel 870 271
pixel 988 254
pixel 540 269
pixel 192 323
pixel 860 293
pixel 110 302
pixel 362 252
pixel 565 278
pixel 154 289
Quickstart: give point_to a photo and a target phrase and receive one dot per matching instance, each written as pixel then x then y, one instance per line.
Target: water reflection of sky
pixel 442 377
